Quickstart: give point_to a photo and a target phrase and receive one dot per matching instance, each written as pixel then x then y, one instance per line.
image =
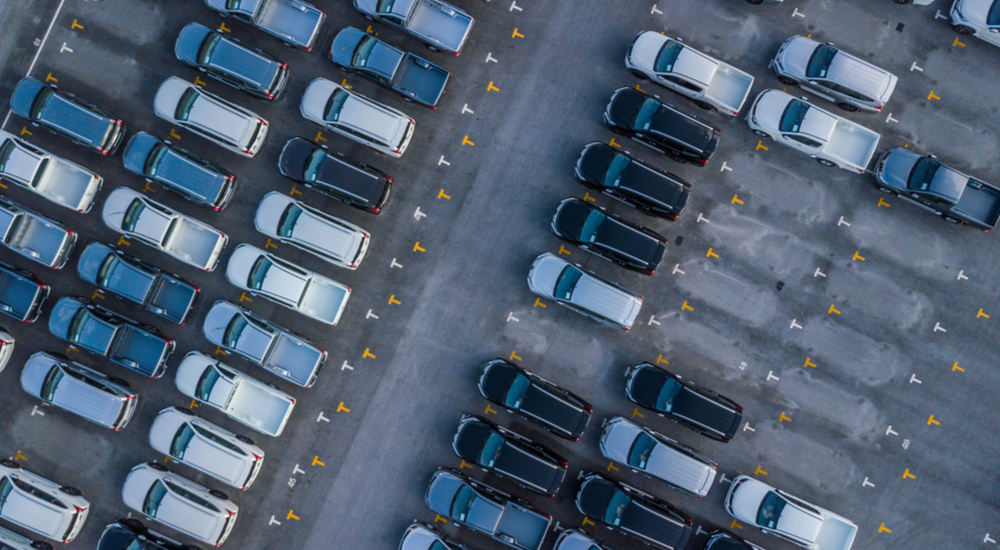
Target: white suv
pixel 35 503
pixel 231 126
pixel 356 117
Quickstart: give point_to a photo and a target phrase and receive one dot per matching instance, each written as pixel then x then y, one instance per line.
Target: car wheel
pixel 763 134
pixel 433 48
pixel 826 163
pixel 345 69
pixel 218 494
pixel 41 545
pixel 407 99
pixel 950 219
pixel 704 105
pixel 963 29
pixel 848 107
pixel 617 130
pixel 245 439
pixel 370 18
pixel 756 2
pixel 639 75
pixel 10 464
pixel 902 1
pixel 886 190
pixel 120 382
pixel 150 328
pixel 71 491
pixel 157 466
pixel 787 81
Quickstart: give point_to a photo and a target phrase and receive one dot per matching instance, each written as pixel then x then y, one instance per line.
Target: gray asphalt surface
pixel 909 337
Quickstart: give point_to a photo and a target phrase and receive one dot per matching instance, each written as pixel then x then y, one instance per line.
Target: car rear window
pixel 667 56
pixel 819 62
pixel 207 48
pixel 186 103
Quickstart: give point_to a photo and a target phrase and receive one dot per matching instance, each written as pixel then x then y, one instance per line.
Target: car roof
pixel 601 297
pixel 34 513
pixel 365 115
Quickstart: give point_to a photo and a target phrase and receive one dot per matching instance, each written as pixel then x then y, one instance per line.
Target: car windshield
pixel 820 61
pixel 5 488
pixel 591 225
pixel 132 214
pixel 208 48
pixel 770 510
pixel 993 17
pixel 515 393
pixel 186 103
pixel 335 104
pixel 438 545
pixel 791 119
pixel 667 56
pixel 259 272
pixel 922 174
pixel 153 499
pixel 153 160
pixel 5 151
pixel 642 447
pixel 462 503
pixel 616 508
pixel 491 448
pixel 234 330
pixel 40 101
pixel 364 49
pixel 205 384
pixel 233 4
pixel 286 224
pixel 665 401
pixel 107 269
pixel 384 6
pixel 313 162
pixel 615 170
pixel 644 117
pixel 181 439
pixel 51 382
pixel 77 325
pixel 567 282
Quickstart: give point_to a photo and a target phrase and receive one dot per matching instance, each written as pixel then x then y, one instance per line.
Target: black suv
pixel 224 58
pixel 652 191
pixel 62 113
pixel 21 293
pixel 194 178
pixel 131 534
pixel 635 513
pixel 335 175
pixel 660 126
pixel 704 411
pixel 724 540
pixel 604 234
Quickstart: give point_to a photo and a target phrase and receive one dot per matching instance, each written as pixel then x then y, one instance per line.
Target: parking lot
pixel 856 330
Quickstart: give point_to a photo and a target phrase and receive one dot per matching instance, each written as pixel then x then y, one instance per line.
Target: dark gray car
pixel 335 175
pixel 219 56
pixel 21 293
pixel 62 113
pixel 194 178
pixel 608 236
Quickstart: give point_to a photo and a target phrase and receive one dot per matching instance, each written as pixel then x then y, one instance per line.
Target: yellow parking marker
pixel 148 189
pixel 291 515
pixel 955 367
pixel 587 197
pixel 370 30
pixel 783 418
pixel 122 241
pixel 317 461
pixel 614 144
pixel 538 302
pixel 244 298
pixel 981 314
pixel 490 410
pixel 957 43
pixel 219 350
pixel 932 95
pixel 294 191
pixel 660 359
pixel 491 88
pixel 833 310
pixel 319 136
pixel 513 356
pixel 222 27
pixel 881 203
pixel 759 471
pixel 857 256
pixel 883 529
pixel 586 521
pixel 342 408
pixel 639 89
pixel 51 78
pixel 907 474
pixel 439 518
pixel 194 404
pixel 71 349
pixel 393 300
pixel 199 82
pixel 464 464
pixel 686 306
pixel 711 254
pixel 636 413
pixel 562 250
pixel 20 456
pixel 809 363
pixel 735 525
pixel 736 200
pixel 346 85
pixel 269 244
pixel 25 130
pixel 418 248
pixel 466 141
pixel 76 25
pixel 760 145
pixel 612 467
pixel 97 294
pixel 168 459
pixel 516 34
pixel 442 195
pixel 368 354
pixel 174 134
pixel 932 421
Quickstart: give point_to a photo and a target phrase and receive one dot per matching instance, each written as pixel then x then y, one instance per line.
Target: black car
pixel 635 513
pixel 535 398
pixel 224 58
pixel 724 540
pixel 660 126
pixel 189 175
pixel 131 534
pixel 335 175
pixel 62 113
pixel 704 411
pixel 631 181
pixel 509 455
pixel 21 293
pixel 129 278
pixel 604 234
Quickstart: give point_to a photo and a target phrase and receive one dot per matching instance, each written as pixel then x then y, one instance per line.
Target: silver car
pixel 7 343
pixel 54 178
pixel 850 82
pixel 232 459
pixel 584 291
pixel 92 395
pixel 572 539
pixel 29 500
pixel 424 536
pixel 356 117
pixel 177 502
pixel 977 17
pixel 297 288
pixel 298 224
pixel 10 540
pixel 213 118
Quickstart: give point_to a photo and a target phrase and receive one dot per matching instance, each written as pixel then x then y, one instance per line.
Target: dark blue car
pixel 189 175
pixel 62 113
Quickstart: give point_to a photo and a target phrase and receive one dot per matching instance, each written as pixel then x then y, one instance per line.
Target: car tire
pixel 639 75
pixel 41 545
pixel 433 48
pixel 963 29
pixel 10 464
pixel 704 105
pixel 902 1
pixel 120 382
pixel 848 107
pixel 407 99
pixel 763 134
pixel 950 219
pixel 886 190
pixel 71 491
pixel 157 466
pixel 218 494
pixel 826 163
pixel 756 2
pixel 370 18
pixel 787 81
pixel 617 130
pixel 245 439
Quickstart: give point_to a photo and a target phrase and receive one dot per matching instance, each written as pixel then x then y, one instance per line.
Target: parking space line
pixel 510 317
pixel 907 474
pixel 932 95
pixel 25 130
pixel 467 141
pixel 614 144
pixel 981 314
pixel 220 351
pixel 735 525
pixel 711 254
pixel 174 134
pixel 867 483
pixel 857 255
pixel 957 43
pixel 562 250
pixel 736 200
pixel 316 461
pixel 223 28
pixel 393 300
pixel 291 515
pixel 346 366
pixel 490 58
pixel 319 136
pixel 20 456
pixel 122 241
pixel 760 145
pixel 392 264
pixel 516 34
pixel 686 306
pixel 833 309
pixel 76 25
pixel 939 328
pixel 794 324
pixel 368 354
pixel 442 195
pixel 489 88
pixel 771 376
pixel 194 404
pixel 660 359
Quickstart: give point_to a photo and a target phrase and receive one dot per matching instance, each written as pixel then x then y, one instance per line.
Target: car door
pixel 926 201
pixel 802 143
pixel 679 85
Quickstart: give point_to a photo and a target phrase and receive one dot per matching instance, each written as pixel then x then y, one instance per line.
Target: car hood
pixel 976 10
pixel 644 385
pixel 569 218
pixel 745 496
pixel 895 169
pixel 293 157
pixel 190 370
pixel 795 54
pixel 24 95
pixel 441 491
pixel 62 315
pixel 137 151
pixel 314 99
pixel 594 496
pixel 595 159
pixel 496 380
pixel 645 49
pixel 168 95
pixel 544 273
pixel 768 108
pixel 36 368
pixel 624 106
pixel 617 439
pixel 269 212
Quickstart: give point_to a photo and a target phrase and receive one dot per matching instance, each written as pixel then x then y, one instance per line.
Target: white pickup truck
pixel 440 25
pixel 778 513
pixel 828 138
pixel 711 83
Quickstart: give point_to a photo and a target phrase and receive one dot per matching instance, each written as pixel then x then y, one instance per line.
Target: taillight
pixel 703 162
pixel 387 178
pixel 878 108
pixel 293 401
pixel 434 106
pixel 256 457
pixel 285 65
pixel 376 210
pixel 269 96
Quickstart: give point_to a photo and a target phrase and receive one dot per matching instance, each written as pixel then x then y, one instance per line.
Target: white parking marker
pixel 795 325
pixel 35 411
pixel 655 11
pixel 914 67
pixel 819 273
pixel 724 167
pixel 702 218
pixel 797 13
pixel 747 427
pixel 346 366
pixel 890 119
pixel 489 57
pixel 677 269
pixel 322 418
pixel 65 48
pixel 274 521
pixel 988 539
pixel 395 264
pixel 700 531
pixel 653 321
pixel 724 479
pixel 297 470
pixel 961 275
pixel 771 376
pixel 466 109
pixel 888 431
pixel 370 315
pixel 418 214
pixel 510 317
pixel 939 16
pixel 938 327
pixel 842 222
pixel 513 6
pixel 913 378
pixel 867 483
pixel 442 161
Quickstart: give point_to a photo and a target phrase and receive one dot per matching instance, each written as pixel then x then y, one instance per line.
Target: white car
pixel 54 178
pixel 977 17
pixel 159 495
pixel 232 459
pixel 297 288
pixel 29 500
pixel 6 347
pixel 298 224
pixel 185 238
pixel 213 118
pixel 10 540
pixel 583 291
pixel 356 117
